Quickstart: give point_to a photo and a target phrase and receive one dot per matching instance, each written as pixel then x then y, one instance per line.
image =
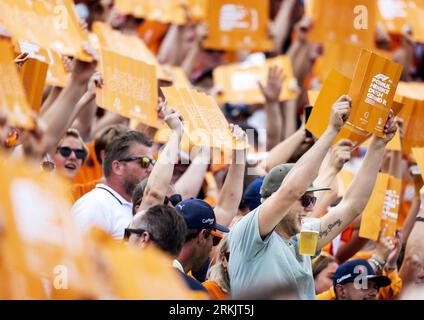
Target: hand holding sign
pixel 340 113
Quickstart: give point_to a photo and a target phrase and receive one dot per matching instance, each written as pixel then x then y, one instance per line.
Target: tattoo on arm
pixel 330 227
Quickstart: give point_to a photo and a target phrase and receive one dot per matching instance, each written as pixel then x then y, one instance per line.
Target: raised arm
pixel 281 24
pixel 331 166
pixel 303 173
pixel 358 193
pixel 271 91
pixel 168 51
pixel 230 195
pixel 190 183
pixel 413 261
pixel 161 175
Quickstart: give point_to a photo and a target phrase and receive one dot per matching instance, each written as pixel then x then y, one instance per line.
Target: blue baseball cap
pixel 251 196
pixel 348 271
pixel 198 214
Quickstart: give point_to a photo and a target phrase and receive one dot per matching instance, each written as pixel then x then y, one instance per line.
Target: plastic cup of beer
pixel 309 236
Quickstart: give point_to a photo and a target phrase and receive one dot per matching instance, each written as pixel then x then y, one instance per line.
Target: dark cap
pixel 276 176
pixel 251 196
pixel 198 214
pixel 349 271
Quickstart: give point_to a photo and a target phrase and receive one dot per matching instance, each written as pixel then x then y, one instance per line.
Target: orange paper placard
pixel 205 124
pixel 371 216
pixel 395 14
pixel 313 96
pixel 164 11
pixel 13 100
pixel 130 88
pixel 238 25
pixel 50 24
pixel 56 74
pixel 127 45
pixel 240 82
pixel 372 91
pixel 390 211
pixel 344 22
pixel 419 158
pixel 33 74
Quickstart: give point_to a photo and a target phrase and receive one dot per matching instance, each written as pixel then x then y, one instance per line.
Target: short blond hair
pixel 72 132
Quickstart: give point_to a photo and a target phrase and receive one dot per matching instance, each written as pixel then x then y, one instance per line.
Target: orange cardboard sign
pixel 382 209
pixel 33 74
pixel 164 11
pixel 419 158
pixel 130 88
pixel 345 22
pixel 127 45
pixel 50 24
pixel 13 100
pixel 395 14
pixel 205 124
pixel 240 82
pixel 372 91
pixel 56 73
pixel 238 25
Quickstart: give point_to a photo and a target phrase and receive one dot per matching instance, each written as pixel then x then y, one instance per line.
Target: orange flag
pixel 130 88
pixel 238 25
pixel 13 100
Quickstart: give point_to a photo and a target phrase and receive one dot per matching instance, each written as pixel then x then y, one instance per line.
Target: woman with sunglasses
pixel 71 153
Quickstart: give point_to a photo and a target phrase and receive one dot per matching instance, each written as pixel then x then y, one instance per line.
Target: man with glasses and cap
pixel 264 244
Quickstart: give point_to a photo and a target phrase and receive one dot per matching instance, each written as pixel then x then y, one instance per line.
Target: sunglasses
pixel 216 237
pixel 66 152
pixel 144 162
pixel 307 200
pixel 174 199
pixel 129 231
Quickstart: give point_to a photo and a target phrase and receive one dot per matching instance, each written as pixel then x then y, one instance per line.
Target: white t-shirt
pixel 105 208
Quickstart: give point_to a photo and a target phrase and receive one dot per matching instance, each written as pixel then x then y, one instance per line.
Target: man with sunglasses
pixel 202 234
pixel 128 160
pixel 264 244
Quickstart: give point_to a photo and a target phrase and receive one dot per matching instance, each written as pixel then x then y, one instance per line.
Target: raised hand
pixel 340 154
pixel 340 112
pixel 272 89
pixel 82 71
pixel 96 81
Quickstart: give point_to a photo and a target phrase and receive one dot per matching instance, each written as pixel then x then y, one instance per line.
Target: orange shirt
pixel 215 290
pixel 91 169
pixel 80 189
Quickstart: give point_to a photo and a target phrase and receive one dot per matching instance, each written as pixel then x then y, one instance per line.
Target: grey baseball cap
pixel 275 177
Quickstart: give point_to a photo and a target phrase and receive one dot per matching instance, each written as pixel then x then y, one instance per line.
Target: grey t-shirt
pixel 256 263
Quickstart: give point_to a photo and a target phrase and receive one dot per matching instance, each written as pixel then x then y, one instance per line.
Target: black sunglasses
pixel 174 199
pixel 307 200
pixel 129 231
pixel 144 162
pixel 66 152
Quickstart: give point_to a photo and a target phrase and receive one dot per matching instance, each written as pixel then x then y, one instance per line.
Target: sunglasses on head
pixel 144 162
pixel 174 199
pixel 66 152
pixel 307 200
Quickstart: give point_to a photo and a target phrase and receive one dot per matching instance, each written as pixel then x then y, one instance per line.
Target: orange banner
pixel 127 45
pixel 130 88
pixel 50 24
pixel 56 74
pixel 33 74
pixel 13 100
pixel 239 82
pixel 382 209
pixel 372 91
pixel 205 124
pixel 238 25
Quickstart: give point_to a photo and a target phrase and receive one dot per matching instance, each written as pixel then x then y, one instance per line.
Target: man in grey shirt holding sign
pixel 264 249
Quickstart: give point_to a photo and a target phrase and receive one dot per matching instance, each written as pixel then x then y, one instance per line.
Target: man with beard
pixel 127 161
